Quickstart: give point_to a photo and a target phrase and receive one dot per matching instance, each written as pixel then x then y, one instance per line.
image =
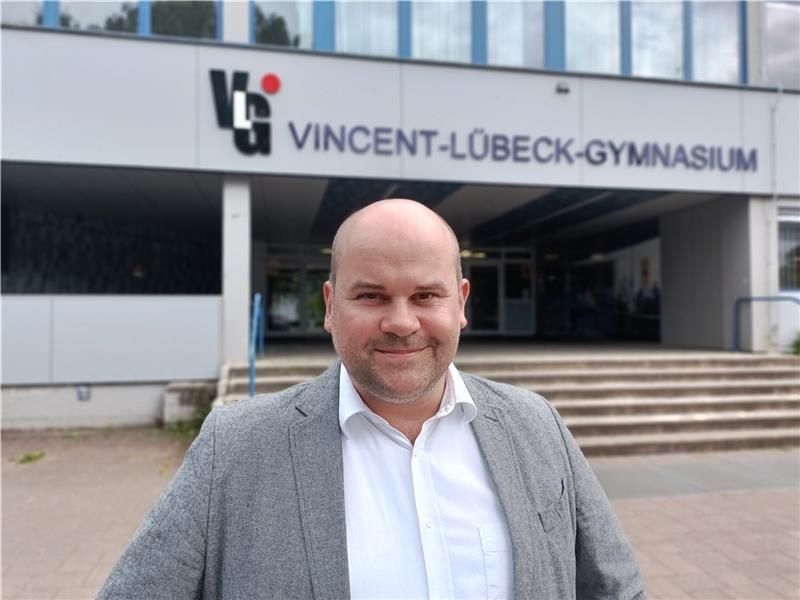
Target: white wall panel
pixel 80 99
pixel 662 114
pixel 314 89
pixel 26 336
pixel 135 338
pixel 77 98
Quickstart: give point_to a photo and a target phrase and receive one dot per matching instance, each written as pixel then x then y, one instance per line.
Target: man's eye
pixel 425 296
pixel 368 296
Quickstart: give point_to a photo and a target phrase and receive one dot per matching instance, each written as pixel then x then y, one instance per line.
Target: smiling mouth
pixel 398 351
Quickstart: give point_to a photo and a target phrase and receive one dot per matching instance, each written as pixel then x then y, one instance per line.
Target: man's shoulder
pixel 279 410
pixel 263 406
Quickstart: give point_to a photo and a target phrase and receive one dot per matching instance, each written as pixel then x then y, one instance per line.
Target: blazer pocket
pixel 555 512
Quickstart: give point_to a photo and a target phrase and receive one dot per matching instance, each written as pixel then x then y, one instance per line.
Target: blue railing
pixel 256 341
pixel 737 307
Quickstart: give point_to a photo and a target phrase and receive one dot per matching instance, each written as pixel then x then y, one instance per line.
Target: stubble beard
pixel 377 381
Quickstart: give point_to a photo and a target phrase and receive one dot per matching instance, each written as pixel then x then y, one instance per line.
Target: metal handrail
pixel 256 341
pixel 738 305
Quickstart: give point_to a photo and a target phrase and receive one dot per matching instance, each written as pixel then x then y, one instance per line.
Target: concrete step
pixel 530 378
pixel 633 363
pixel 580 389
pixel 264 385
pixel 620 404
pixel 557 392
pixel 694 441
pixel 694 421
pixel 679 405
pixel 315 365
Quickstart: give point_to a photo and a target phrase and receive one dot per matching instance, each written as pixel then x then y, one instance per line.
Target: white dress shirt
pixel 423 520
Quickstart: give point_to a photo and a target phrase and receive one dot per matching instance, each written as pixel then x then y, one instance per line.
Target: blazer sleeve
pixel 605 563
pixel 166 558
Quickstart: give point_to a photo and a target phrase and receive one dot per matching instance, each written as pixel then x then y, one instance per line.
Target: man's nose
pixel 400 319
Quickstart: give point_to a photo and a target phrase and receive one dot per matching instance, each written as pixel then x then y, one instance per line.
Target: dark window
pixel 789 251
pixel 186 19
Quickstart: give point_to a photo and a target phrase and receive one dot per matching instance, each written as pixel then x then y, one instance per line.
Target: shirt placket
pixel 432 534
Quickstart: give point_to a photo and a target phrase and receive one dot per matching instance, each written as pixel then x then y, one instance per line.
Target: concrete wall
pixel 704 268
pixel 67 101
pixel 82 406
pixel 94 339
pixel 711 255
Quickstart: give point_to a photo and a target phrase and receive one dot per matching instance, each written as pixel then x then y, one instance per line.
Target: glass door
pixel 484 298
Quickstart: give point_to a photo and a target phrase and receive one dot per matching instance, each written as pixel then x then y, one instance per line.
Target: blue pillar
pixel 625 38
pixel 143 26
pixel 50 13
pixel 688 43
pixel 404 29
pixel 744 74
pixel 218 13
pixel 555 27
pixel 479 30
pixel 324 25
pixel 251 22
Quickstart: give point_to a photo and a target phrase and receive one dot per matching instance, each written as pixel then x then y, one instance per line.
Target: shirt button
pixel 428 523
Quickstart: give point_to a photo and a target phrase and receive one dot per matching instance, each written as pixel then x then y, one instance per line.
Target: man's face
pixel 397 310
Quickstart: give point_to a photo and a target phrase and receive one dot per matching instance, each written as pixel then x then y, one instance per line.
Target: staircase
pixel 621 404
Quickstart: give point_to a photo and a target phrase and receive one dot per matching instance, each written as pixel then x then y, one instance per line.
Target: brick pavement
pixel 67 517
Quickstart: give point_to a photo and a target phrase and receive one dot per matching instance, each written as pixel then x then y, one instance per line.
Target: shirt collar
pixel 455 395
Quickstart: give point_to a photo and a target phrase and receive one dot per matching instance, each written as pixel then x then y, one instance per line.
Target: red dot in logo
pixel 270 83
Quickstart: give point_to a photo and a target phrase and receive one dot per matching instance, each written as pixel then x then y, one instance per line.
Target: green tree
pixel 272 29
pixel 187 19
pixel 126 20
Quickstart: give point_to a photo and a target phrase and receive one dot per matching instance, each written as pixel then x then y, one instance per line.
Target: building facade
pixel 613 170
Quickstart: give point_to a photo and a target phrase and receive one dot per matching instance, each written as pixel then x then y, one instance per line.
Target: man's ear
pixel 463 292
pixel 327 294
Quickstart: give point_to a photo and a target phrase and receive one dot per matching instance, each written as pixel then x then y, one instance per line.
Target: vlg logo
pixel 247 113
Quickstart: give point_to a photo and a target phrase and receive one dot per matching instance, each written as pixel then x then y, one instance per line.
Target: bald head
pixel 390 220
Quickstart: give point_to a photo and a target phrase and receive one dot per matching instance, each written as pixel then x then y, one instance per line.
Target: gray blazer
pixel 257 508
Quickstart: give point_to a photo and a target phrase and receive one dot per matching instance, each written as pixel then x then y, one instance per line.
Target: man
pixel 391 475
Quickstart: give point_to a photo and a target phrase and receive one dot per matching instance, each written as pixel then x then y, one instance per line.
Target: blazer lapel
pixel 316 450
pixel 495 443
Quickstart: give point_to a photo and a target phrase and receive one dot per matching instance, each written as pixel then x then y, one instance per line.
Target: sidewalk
pixel 716 525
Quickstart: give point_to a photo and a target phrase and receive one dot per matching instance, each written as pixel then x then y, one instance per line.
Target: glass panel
pixel 715 37
pixel 112 16
pixel 516 33
pixel 789 255
pixel 441 31
pixel 519 316
pixel 367 28
pixel 315 304
pixel 657 31
pixel 283 299
pixel 283 23
pixel 186 19
pixel 518 281
pixel 22 13
pixel 483 298
pixel 592 36
pixel 783 44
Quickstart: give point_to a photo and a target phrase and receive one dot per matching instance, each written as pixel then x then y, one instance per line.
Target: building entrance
pixel 290 279
pixel 501 299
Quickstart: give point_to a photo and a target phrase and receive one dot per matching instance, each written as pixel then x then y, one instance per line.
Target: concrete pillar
pixel 756 38
pixel 711 255
pixel 764 317
pixel 236 21
pixel 236 242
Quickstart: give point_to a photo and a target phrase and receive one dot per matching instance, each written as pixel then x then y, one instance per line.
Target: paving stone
pixel 68 517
